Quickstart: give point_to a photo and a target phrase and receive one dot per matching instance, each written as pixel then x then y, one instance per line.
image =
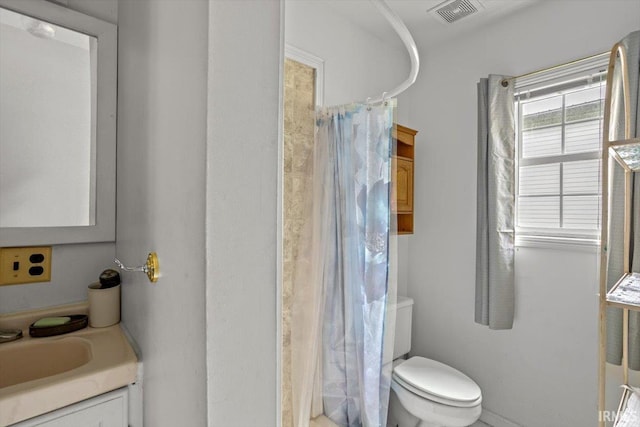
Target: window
pixel 559 133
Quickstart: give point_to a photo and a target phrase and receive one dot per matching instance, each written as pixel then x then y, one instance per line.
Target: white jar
pixel 104 306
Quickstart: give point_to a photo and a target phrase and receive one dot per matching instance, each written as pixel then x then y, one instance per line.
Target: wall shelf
pixel 402 173
pixel 628 410
pixel 625 293
pixel 626 153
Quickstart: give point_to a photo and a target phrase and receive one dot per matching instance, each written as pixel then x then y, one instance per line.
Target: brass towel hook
pixel 151 268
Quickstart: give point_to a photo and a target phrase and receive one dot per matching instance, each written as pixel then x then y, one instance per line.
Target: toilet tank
pixel 402 340
pixel 402 332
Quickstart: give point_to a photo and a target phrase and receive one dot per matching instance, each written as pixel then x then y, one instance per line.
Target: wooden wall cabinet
pixel 402 176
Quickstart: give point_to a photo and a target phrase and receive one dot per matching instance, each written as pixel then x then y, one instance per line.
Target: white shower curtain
pixel 342 282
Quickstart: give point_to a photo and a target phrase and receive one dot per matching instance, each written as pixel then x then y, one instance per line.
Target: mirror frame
pixel 104 229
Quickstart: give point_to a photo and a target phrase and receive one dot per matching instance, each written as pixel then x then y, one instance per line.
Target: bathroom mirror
pixel 57 125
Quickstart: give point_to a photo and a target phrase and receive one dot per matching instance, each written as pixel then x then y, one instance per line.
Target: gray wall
pixel 74 267
pixel 162 101
pixel 544 371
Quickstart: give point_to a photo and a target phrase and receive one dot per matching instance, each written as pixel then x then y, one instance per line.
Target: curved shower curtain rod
pixel 404 34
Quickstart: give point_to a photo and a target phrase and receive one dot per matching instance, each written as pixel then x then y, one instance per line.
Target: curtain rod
pixel 506 81
pixel 405 35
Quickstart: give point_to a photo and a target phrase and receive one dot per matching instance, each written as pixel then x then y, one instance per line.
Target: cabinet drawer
pixel 107 410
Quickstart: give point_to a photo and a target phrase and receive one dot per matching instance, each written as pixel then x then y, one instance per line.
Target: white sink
pixel 21 362
pixel 39 375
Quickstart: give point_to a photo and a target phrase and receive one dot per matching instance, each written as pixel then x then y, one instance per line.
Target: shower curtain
pixel 341 280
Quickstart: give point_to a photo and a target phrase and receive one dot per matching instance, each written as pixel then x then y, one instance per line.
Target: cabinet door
pixel 108 410
pixel 402 200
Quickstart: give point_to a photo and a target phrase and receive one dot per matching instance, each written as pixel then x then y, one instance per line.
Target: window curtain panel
pixel 343 279
pixel 496 201
pixel 615 246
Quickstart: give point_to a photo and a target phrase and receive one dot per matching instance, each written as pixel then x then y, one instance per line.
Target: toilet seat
pixel 437 382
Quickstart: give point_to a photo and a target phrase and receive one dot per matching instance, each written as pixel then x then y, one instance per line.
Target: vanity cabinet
pixel 107 410
pixel 402 176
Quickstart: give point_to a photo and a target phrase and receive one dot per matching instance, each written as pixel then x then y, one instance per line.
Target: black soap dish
pixel 77 322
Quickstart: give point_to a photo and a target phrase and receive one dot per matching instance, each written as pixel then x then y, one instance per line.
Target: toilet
pixel 424 392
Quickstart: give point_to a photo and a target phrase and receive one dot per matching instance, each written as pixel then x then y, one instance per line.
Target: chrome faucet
pixel 7 335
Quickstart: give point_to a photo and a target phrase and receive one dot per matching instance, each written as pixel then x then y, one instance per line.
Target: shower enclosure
pixel 341 280
pixel 338 270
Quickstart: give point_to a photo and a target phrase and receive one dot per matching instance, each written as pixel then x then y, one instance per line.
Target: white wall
pixel 543 372
pixel 357 65
pixel 197 173
pixel 245 48
pixel 107 10
pixel 162 101
pixel 74 267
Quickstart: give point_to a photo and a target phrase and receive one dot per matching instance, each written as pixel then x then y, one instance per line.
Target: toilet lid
pixel 437 379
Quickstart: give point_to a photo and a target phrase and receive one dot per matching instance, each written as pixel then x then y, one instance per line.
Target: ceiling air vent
pixel 452 11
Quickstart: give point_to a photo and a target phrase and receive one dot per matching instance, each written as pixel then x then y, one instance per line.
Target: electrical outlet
pixel 25 265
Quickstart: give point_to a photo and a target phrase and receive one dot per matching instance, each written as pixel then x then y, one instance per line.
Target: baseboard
pixel 496 420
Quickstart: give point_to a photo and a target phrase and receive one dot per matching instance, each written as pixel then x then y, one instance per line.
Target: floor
pixel 476 424
pixel 318 422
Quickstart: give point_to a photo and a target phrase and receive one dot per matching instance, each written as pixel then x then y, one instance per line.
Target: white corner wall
pixel 162 112
pixel 197 182
pixel 245 56
pixel 357 64
pixel 543 372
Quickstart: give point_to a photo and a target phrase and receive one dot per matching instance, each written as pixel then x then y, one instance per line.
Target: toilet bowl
pixel 424 392
pixel 427 393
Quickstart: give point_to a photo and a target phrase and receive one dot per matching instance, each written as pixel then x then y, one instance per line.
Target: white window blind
pixel 559 134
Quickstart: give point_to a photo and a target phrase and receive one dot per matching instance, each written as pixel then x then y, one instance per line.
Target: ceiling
pixel 427 30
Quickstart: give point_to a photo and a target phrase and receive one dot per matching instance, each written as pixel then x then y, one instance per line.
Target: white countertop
pixel 113 364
